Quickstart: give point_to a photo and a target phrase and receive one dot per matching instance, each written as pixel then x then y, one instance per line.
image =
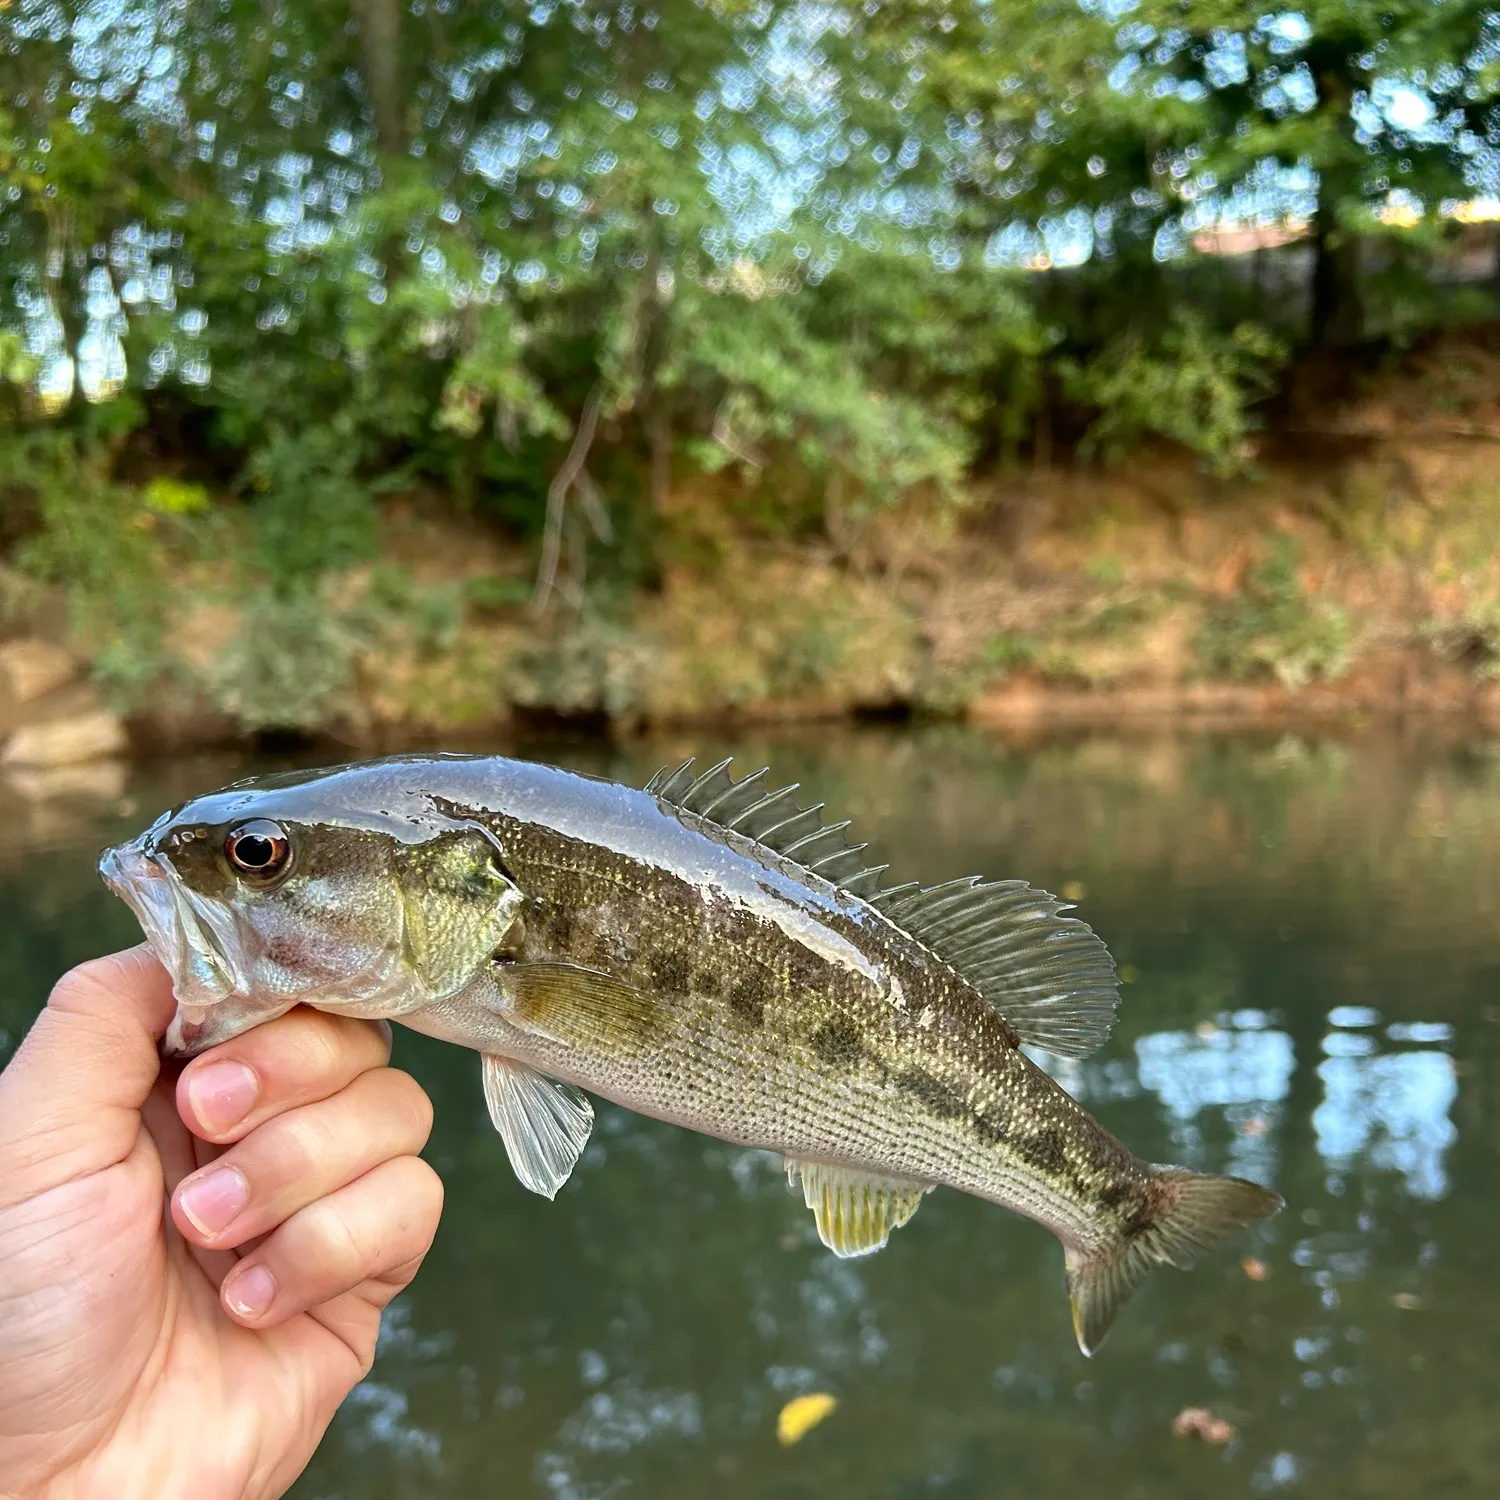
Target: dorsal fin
pixel 1048 975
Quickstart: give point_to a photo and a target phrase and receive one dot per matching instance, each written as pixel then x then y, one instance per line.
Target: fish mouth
pixel 192 939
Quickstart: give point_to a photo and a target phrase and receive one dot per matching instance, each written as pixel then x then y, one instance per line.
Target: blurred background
pixel 1087 412
pixel 398 368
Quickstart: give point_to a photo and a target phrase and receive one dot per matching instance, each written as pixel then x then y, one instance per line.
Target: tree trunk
pixel 652 404
pixel 659 436
pixel 1338 314
pixel 379 25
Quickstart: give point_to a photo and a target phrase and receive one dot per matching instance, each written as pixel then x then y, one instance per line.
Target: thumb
pixel 71 1098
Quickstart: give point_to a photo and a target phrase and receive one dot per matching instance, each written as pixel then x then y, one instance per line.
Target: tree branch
pixel 565 479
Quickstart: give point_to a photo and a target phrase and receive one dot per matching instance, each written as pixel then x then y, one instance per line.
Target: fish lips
pixel 195 940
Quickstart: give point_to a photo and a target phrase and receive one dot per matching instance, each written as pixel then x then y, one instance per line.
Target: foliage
pixel 1189 383
pixel 91 536
pixel 272 261
pixel 294 661
pixel 1472 639
pixel 313 513
pixel 175 497
pixel 1271 627
pixel 1011 651
pixel 291 665
pixel 598 667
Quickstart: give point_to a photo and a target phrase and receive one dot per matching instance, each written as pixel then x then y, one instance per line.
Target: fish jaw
pixel 180 930
pixel 212 1004
pixel 196 1028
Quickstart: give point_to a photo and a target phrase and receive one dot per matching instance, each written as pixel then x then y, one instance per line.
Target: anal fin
pixel 854 1211
pixel 545 1124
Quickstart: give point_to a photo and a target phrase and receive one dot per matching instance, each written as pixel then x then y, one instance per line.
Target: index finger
pixel 300 1058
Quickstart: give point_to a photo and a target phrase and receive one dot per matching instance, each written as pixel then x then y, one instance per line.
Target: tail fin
pixel 1189 1213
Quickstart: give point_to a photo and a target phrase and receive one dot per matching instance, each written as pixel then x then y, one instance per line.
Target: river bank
pixel 1351 572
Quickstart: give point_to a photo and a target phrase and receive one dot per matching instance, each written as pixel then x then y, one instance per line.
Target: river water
pixel 1307 928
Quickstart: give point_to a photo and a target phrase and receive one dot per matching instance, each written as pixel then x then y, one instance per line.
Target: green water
pixel 1309 930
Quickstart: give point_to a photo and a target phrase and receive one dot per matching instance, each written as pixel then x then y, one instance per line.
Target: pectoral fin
pixel 854 1211
pixel 579 1007
pixel 545 1124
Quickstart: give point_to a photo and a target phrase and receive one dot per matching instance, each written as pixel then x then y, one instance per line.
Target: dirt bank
pixel 1353 572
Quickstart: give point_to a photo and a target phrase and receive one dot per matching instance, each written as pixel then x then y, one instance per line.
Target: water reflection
pixel 610 1424
pixel 1309 1006
pixel 1392 1110
pixel 1237 1064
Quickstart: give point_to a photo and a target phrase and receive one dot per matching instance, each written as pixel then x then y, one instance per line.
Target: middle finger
pixel 300 1156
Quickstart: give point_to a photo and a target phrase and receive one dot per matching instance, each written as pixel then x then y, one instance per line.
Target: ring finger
pixel 369 1236
pixel 298 1157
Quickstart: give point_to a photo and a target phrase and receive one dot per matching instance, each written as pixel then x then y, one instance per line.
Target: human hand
pixel 200 1352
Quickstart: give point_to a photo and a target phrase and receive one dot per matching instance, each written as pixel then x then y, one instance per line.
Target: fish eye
pixel 259 848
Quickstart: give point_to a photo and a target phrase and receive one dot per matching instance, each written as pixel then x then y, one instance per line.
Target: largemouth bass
pixel 704 951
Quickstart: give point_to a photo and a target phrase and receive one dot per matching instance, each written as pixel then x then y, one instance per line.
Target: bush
pixel 93 538
pixel 1187 381
pixel 1270 628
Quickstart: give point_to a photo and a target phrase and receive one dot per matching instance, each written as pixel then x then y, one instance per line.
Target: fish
pixel 704 950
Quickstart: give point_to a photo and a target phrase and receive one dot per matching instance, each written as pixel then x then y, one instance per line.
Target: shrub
pixel 1271 628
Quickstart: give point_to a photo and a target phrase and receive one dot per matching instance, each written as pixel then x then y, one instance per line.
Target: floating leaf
pixel 1199 1422
pixel 801 1414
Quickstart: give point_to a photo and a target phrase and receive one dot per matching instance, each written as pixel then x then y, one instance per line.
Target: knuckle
pixel 425 1190
pixel 433 1195
pixel 413 1207
pixel 96 984
pixel 377 1038
pixel 340 1246
pixel 397 1102
pixel 305 1144
pixel 328 1046
pixel 410 1098
pixel 319 1054
pixel 81 985
pixel 318 1251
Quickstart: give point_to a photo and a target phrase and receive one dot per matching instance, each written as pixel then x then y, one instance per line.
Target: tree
pixel 536 255
pixel 1390 109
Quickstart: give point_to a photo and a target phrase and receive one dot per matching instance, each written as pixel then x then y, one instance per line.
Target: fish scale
pixel 706 951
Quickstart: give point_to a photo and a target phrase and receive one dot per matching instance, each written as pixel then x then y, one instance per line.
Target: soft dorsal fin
pixel 1048 975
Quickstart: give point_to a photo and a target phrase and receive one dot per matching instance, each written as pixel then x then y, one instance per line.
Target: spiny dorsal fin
pixel 772 820
pixel 1048 975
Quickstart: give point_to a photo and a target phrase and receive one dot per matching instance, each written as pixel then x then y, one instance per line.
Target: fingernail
pixel 210 1203
pixel 222 1094
pixel 251 1292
